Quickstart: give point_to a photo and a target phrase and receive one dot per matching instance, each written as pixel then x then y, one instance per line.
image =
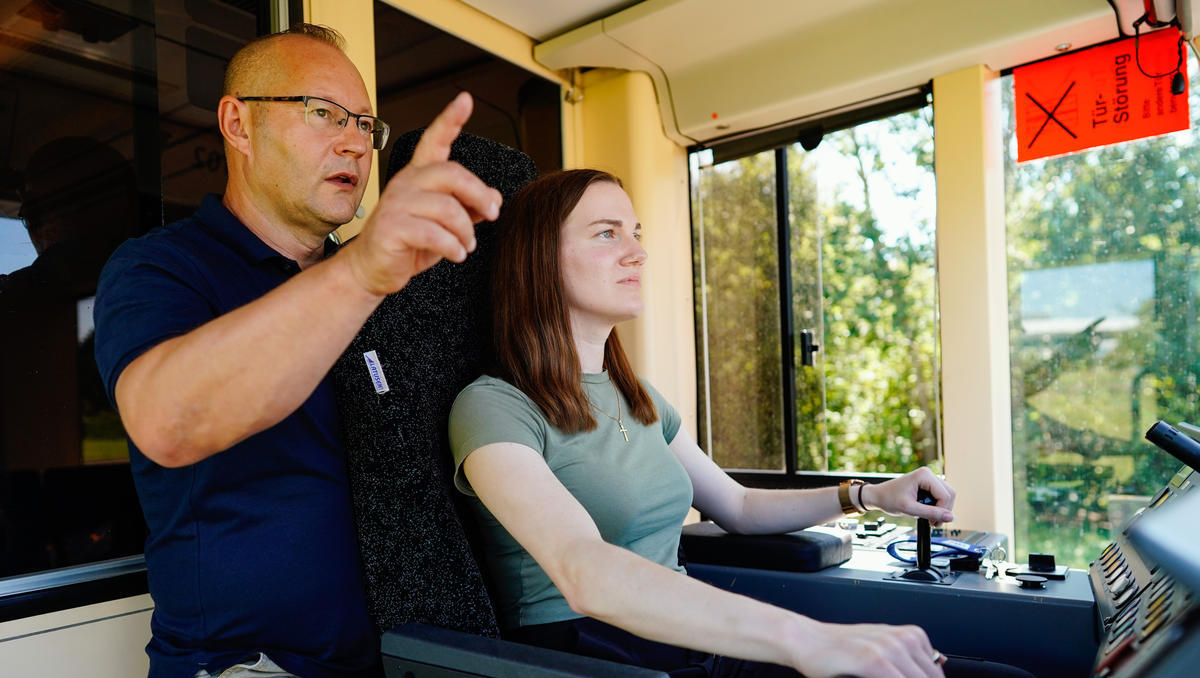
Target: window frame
pixel 778 138
pixel 52 590
pixel 46 591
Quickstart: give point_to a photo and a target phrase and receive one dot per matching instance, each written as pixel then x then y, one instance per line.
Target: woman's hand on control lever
pixel 899 496
pixel 869 651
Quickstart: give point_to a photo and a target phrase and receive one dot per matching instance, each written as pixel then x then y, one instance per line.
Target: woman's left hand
pixel 899 496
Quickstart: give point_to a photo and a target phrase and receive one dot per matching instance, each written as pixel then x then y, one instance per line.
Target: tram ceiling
pixel 724 68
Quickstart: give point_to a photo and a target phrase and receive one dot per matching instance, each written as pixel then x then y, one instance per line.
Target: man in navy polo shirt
pixel 214 336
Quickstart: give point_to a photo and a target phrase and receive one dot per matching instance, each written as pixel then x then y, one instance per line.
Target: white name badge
pixel 376 372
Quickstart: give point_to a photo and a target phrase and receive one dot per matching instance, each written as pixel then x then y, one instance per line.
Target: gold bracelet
pixel 848 506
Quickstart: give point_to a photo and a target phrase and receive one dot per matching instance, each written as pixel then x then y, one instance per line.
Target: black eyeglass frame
pixel 378 139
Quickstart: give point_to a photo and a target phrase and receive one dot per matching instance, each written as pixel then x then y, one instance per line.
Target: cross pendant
pixel 624 431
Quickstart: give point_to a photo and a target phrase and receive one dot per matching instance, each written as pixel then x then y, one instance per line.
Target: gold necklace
pixel 620 423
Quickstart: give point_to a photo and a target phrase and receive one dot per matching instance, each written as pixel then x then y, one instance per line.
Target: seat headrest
pixel 505 169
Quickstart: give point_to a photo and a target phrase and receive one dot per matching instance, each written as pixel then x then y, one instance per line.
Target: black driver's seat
pixel 395 385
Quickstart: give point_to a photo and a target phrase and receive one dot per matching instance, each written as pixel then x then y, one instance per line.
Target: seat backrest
pixel 395 385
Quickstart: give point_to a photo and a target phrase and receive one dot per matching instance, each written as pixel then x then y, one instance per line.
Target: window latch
pixel 807 347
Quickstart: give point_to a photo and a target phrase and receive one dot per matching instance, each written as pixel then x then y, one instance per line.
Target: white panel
pixel 106 640
pixel 764 62
pixel 540 19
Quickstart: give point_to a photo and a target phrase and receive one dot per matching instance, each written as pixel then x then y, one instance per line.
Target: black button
pixel 1031 581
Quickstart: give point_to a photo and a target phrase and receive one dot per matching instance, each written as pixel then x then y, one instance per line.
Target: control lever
pixel 1178 444
pixel 924 571
pixel 924 533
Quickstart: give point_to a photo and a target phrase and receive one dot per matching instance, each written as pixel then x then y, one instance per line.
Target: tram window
pixel 16 247
pixel 111 107
pixel 737 298
pixel 108 117
pixel 860 278
pixel 1103 264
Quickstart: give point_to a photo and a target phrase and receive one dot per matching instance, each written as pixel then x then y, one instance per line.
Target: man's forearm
pixel 197 394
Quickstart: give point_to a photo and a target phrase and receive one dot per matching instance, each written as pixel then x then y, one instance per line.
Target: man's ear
pixel 233 117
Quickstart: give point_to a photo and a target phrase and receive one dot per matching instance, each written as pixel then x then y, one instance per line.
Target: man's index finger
pixel 434 145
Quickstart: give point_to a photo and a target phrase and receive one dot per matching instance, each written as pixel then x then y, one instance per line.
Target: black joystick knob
pixel 923 532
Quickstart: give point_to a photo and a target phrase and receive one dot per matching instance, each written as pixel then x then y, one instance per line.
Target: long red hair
pixel 531 324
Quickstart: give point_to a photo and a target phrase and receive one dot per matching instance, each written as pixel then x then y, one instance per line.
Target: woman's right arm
pixel 618 587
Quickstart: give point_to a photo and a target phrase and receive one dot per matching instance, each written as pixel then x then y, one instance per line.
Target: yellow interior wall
pixel 973 296
pixel 355 20
pixel 619 131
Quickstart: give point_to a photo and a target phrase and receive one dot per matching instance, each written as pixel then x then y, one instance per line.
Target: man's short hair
pixel 248 59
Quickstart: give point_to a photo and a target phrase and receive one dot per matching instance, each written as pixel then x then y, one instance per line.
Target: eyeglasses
pixel 330 118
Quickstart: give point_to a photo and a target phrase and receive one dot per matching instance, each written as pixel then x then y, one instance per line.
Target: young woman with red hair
pixel 583 474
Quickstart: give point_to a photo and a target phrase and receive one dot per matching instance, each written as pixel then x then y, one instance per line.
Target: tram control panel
pixel 1146 581
pixel 1127 616
pixel 968 598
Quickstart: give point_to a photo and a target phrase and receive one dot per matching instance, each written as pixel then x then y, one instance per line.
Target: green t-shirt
pixel 637 492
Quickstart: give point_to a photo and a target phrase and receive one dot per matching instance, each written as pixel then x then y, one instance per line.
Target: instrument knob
pixel 1031 581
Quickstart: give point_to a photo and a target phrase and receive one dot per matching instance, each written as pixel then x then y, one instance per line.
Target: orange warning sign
pixel 1100 96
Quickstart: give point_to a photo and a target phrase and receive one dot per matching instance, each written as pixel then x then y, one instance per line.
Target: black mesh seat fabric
pixel 430 340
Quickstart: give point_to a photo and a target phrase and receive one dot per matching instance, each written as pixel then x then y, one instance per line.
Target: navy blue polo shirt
pixel 252 549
